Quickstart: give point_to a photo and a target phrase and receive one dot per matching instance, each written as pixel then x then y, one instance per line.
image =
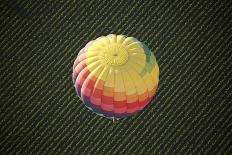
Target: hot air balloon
pixel 115 76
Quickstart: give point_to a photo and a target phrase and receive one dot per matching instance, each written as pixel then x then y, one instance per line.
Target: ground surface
pixel 40 112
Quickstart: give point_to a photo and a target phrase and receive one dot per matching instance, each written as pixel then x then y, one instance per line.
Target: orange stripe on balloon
pixel 143 96
pixel 119 96
pixel 108 91
pixel 152 92
pixel 132 98
pixel 100 84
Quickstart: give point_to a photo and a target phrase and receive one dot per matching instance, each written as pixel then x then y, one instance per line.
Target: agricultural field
pixel 40 112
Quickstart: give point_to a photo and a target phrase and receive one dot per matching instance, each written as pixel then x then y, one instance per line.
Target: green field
pixel 191 112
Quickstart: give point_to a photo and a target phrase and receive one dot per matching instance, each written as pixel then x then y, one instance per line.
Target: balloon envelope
pixel 115 76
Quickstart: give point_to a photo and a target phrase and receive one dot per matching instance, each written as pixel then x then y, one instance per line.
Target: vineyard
pixel 40 112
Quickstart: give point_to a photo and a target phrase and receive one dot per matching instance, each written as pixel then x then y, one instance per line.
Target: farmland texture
pixel 40 112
